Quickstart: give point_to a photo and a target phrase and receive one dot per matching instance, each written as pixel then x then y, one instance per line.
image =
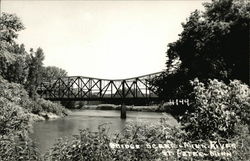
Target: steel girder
pixel 87 88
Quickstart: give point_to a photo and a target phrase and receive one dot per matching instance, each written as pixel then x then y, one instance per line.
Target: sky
pixel 102 39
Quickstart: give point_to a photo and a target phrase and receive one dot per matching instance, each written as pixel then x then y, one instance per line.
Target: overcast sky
pixel 105 39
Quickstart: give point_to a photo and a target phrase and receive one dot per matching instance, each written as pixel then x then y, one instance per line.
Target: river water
pixel 45 133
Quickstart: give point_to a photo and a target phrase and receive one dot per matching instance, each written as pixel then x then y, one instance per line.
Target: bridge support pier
pixel 123 111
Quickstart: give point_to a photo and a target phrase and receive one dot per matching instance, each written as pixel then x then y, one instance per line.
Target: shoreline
pixel 44 116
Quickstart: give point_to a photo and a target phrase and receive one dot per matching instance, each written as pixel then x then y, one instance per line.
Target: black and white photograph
pixel 124 80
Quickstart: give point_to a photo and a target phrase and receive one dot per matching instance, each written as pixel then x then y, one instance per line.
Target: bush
pixel 14 126
pixel 69 104
pixel 146 135
pixel 87 146
pixel 13 118
pixel 17 94
pixel 15 122
pixel 13 148
pixel 95 146
pixel 101 146
pixel 175 110
pixel 243 140
pixel 219 109
pixel 48 106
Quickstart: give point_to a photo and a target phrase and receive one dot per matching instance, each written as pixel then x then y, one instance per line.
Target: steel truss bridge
pixel 79 88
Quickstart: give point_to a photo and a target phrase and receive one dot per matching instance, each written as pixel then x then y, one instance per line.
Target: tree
pixel 12 56
pixel 213 44
pixel 51 73
pixel 35 62
pixel 10 24
pixel 16 65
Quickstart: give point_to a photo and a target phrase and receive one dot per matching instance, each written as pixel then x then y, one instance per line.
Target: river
pixel 45 133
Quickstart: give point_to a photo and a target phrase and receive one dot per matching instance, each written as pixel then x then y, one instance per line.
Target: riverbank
pixel 45 116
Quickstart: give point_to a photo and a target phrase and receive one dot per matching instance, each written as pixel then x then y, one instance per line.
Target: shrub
pixel 91 146
pixel 14 126
pixel 13 118
pixel 243 140
pixel 48 106
pixel 15 109
pixel 13 148
pixel 146 135
pixel 101 146
pixel 219 109
pixel 15 93
pixel 95 146
pixel 176 110
pixel 69 104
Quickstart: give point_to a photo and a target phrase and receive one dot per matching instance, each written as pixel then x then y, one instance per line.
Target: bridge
pixel 79 88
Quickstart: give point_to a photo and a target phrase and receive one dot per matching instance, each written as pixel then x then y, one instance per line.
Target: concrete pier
pixel 123 112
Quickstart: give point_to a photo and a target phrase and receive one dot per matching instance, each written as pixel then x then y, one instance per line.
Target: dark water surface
pixel 45 133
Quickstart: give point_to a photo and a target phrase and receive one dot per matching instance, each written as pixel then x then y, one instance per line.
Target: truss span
pixel 95 89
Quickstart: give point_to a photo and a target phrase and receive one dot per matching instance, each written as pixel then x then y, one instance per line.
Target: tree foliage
pixel 219 109
pixel 51 73
pixel 18 69
pixel 213 44
pixel 35 63
pixel 10 24
pixel 15 108
pixel 12 56
pixel 16 64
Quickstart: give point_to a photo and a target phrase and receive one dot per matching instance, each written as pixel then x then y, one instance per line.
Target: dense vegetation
pixel 221 115
pixel 202 65
pixel 19 66
pixel 213 44
pixel 212 51
pixel 20 75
